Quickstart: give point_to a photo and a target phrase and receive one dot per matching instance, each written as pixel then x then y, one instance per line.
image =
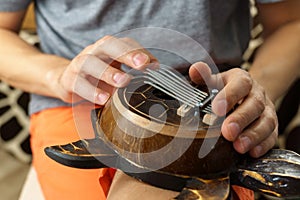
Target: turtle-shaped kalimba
pixel 160 130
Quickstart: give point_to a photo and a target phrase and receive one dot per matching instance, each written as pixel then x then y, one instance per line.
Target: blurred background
pixel 15 154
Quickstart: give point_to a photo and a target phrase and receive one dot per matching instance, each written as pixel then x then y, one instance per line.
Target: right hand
pixel 95 72
pixel 252 125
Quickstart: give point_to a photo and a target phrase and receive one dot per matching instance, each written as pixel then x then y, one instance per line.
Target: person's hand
pixel 252 126
pixel 95 72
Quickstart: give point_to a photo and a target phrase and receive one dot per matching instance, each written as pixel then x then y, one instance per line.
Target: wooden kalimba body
pixel 155 129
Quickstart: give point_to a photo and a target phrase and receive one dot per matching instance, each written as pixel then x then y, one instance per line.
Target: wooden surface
pixel 29 21
pixel 134 135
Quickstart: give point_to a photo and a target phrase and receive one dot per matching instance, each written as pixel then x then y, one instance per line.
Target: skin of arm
pixel 25 67
pixel 20 62
pixel 274 69
pixel 277 62
pixel 252 127
pixel 89 75
pixel 253 124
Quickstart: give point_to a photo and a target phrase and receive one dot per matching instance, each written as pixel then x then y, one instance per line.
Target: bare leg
pixel 128 188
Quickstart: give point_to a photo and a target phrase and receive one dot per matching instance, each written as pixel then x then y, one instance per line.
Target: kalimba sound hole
pixel 159 94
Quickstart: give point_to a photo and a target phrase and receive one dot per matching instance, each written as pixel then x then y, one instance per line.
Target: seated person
pixel 71 59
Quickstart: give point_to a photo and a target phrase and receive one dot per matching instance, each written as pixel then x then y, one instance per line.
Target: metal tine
pixel 176 77
pixel 211 96
pixel 190 101
pixel 208 106
pixel 185 84
pixel 172 84
pixel 178 82
pixel 170 93
pixel 207 109
pixel 166 83
pixel 188 97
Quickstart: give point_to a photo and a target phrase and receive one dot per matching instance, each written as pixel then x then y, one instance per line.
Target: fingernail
pixel 140 59
pixel 120 78
pixel 245 143
pixel 102 98
pixel 221 107
pixel 234 130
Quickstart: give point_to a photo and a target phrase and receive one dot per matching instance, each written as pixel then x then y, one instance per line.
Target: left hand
pixel 252 125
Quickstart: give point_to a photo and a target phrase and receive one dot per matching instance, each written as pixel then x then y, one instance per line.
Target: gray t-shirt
pixel 65 27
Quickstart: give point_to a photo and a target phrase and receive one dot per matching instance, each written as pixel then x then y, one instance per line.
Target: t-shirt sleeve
pixel 13 5
pixel 268 1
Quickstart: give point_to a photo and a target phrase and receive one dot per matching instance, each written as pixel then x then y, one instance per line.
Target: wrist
pixel 52 75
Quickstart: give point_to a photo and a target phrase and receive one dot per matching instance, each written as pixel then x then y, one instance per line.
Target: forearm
pixel 25 67
pixel 277 63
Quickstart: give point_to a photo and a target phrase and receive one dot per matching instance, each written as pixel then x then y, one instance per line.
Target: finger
pixel 257 133
pixel 70 97
pixel 264 146
pixel 90 49
pixel 248 111
pixel 101 84
pixel 88 91
pixel 130 54
pixel 138 46
pixel 95 67
pixel 238 84
pixel 200 73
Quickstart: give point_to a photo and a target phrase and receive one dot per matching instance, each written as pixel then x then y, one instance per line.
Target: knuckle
pixel 108 74
pixel 88 49
pixel 254 135
pixel 243 118
pixel 246 80
pixel 268 144
pixel 261 91
pixel 127 39
pixel 104 39
pixel 67 97
pixel 67 83
pixel 274 138
pixel 79 62
pixel 244 77
pixel 271 119
pixel 130 41
pixel 259 102
pixel 232 99
pixel 83 58
pixel 133 44
pixel 123 51
pixel 240 72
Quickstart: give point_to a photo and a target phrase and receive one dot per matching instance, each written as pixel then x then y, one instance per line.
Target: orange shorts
pixel 56 126
pixel 240 193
